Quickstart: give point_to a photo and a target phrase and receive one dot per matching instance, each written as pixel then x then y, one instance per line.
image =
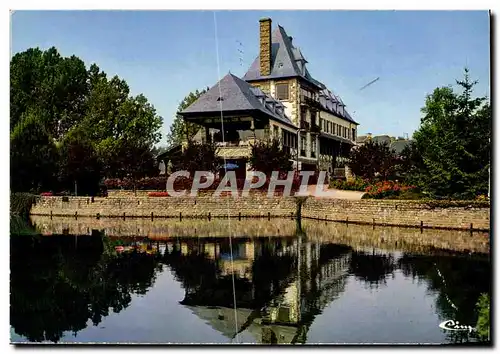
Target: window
pixel 321 123
pixel 353 134
pixel 302 146
pixel 282 92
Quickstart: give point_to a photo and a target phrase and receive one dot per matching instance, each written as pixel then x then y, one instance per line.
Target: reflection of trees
pixel 372 268
pixel 59 283
pixel 462 281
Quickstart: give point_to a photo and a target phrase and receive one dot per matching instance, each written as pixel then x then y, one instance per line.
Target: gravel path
pixel 335 193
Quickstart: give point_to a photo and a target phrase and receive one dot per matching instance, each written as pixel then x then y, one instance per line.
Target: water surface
pixel 289 289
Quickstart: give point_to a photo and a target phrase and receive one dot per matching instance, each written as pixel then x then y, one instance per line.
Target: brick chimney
pixel 265 47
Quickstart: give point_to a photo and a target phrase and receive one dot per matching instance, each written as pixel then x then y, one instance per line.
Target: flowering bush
pixel 387 189
pixel 46 194
pixel 155 183
pixel 158 194
pixel 482 197
pixel 356 184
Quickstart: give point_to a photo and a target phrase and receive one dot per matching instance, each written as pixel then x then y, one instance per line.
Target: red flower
pixel 158 194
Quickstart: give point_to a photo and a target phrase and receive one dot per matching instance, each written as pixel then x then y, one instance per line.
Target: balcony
pixel 304 125
pixel 308 101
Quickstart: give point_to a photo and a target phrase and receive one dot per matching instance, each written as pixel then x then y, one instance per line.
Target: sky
pixel 167 54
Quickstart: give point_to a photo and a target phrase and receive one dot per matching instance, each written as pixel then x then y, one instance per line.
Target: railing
pixel 234 143
pixel 307 100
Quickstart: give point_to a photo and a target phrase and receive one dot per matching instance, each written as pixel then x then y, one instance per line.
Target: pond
pixel 290 286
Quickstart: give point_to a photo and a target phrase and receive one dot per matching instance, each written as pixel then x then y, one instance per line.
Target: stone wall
pixel 356 236
pixel 365 211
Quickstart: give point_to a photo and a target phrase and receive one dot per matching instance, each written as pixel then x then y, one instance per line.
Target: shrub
pixel 356 184
pixel 46 194
pixel 20 203
pixel 387 189
pixel 158 194
pixel 483 321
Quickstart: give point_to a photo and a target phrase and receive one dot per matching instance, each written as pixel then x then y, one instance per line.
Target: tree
pixel 47 81
pixel 33 154
pixel 197 157
pixel 373 159
pixel 409 164
pixel 268 156
pixel 52 97
pixel 454 140
pixel 79 166
pixel 181 130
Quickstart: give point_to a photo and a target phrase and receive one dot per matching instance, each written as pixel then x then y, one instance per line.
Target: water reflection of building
pixel 281 284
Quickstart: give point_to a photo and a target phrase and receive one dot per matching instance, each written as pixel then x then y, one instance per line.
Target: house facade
pixel 277 98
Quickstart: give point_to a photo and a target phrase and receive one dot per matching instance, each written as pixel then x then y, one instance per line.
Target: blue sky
pixel 167 54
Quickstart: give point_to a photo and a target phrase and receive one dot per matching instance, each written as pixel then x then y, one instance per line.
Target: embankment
pixel 404 213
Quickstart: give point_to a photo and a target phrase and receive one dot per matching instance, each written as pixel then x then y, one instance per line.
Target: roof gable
pixel 286 60
pixel 237 95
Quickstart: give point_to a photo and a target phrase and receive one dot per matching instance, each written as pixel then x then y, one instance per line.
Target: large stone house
pixel 277 97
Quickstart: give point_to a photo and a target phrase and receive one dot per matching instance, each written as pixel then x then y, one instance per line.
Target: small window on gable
pixel 220 99
pixel 282 92
pixel 280 65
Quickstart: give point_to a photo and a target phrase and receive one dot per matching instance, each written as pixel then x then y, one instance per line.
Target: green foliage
pixel 483 321
pixel 197 157
pixel 20 203
pixel 61 109
pixel 454 142
pixel 267 156
pixel 33 154
pixel 79 164
pixel 355 184
pixel 179 129
pixel 372 160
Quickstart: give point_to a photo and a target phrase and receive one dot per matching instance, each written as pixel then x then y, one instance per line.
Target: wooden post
pixel 239 216
pixel 123 215
pixel 180 216
pixel 269 216
pixel 209 216
pixel 98 216
pixel 152 216
pixel 76 215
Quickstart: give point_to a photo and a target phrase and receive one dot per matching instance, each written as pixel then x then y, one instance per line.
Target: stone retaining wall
pixel 365 211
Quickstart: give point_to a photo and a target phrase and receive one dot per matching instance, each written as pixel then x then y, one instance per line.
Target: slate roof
pixel 238 95
pixel 286 60
pixel 399 145
pixel 334 104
